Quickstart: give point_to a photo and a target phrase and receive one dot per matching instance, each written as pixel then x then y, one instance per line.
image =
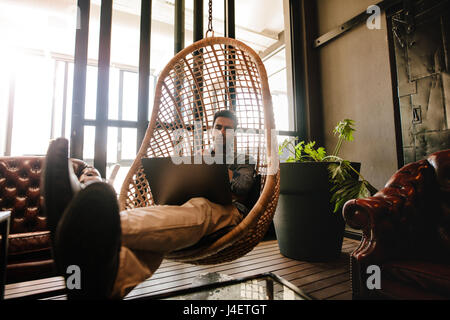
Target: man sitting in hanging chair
pixel 114 250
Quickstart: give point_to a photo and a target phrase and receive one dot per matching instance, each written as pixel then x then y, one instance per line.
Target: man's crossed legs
pixel 114 250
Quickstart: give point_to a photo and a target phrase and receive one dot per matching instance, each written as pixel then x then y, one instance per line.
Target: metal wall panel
pixel 423 78
pixel 425 50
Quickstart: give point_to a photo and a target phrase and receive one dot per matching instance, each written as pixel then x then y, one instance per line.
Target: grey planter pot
pixel 305 225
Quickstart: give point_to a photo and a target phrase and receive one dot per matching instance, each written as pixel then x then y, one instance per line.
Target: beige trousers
pixel 151 232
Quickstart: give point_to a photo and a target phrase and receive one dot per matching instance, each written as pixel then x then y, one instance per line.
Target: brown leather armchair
pixel 406 232
pixel 29 249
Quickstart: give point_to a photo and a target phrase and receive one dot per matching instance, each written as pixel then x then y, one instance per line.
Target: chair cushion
pixel 431 277
pixel 26 246
pixel 395 290
pixel 31 270
pixel 441 163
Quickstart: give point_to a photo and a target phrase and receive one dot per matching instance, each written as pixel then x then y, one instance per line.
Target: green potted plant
pixel 314 187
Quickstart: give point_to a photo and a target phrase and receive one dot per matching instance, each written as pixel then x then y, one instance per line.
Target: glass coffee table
pixel 267 286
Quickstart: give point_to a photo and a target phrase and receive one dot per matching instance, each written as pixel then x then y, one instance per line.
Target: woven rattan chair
pixel 210 75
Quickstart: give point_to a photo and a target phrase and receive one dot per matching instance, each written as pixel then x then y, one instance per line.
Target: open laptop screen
pixel 175 184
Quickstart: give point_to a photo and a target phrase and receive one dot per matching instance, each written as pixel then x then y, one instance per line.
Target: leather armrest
pixel 398 220
pixel 373 216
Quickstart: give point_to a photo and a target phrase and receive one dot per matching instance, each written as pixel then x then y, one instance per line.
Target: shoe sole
pixel 89 237
pixel 56 187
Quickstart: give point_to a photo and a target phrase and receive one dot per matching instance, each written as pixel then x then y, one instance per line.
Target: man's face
pixel 221 125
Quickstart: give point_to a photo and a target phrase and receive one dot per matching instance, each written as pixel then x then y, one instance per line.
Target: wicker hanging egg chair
pixel 213 74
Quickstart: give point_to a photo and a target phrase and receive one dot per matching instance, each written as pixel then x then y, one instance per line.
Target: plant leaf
pixel 321 153
pixel 289 145
pixel 349 189
pixel 345 129
pixel 339 172
pixel 313 153
pixel 371 188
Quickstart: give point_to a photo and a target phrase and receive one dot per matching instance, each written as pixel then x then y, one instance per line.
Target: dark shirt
pixel 242 183
pixel 244 174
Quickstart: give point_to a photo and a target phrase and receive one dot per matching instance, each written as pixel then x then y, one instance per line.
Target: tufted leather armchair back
pixel 29 252
pixel 419 193
pixel 21 194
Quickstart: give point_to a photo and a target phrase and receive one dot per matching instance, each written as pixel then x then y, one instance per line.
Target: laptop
pixel 175 184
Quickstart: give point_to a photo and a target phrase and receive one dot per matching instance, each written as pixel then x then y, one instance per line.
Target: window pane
pixel 94 30
pixel 130 96
pixel 32 106
pixel 129 140
pixel 89 144
pixel 62 100
pixel 120 176
pixel 125 157
pixel 153 80
pixel 69 101
pixel 48 26
pixel 4 97
pixel 287 152
pixel 276 71
pixel 58 99
pixel 114 77
pixel 32 33
pixel 281 111
pixel 125 36
pixel 91 93
pixel 112 149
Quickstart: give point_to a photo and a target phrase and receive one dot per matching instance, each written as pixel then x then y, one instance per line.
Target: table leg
pixel 269 288
pixel 3 255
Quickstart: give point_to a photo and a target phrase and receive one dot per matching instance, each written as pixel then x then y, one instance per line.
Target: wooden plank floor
pixel 329 280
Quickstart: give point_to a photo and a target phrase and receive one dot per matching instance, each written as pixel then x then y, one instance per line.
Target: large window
pixel 32 79
pixel 4 102
pixel 37 70
pixel 36 81
pixel 276 72
pixel 263 31
pixel 122 141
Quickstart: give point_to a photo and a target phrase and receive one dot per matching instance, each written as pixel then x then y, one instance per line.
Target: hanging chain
pixel 210 26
